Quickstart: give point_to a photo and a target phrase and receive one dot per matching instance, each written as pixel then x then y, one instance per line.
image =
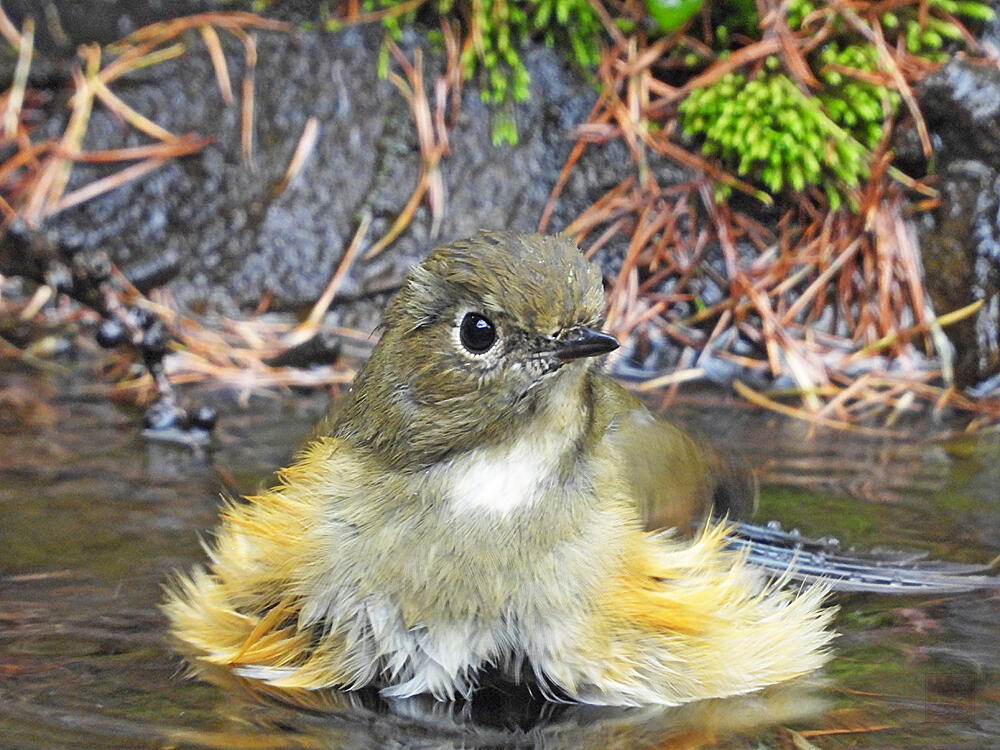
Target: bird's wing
pixel 676 480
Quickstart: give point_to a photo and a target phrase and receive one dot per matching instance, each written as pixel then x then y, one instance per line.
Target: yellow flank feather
pixel 688 620
pixel 242 612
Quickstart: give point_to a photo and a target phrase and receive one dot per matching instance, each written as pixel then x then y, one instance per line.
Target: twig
pixel 307 329
pixel 307 141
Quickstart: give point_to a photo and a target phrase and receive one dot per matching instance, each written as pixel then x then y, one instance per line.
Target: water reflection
pixel 494 718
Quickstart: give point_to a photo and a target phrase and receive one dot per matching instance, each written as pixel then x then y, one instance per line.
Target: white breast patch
pixel 498 481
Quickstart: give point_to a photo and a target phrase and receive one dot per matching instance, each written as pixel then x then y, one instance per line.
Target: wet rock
pixel 231 238
pixel 961 104
pixel 60 25
pixel 960 239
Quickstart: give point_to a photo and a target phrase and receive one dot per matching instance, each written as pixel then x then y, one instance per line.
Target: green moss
pixel 769 130
pixel 499 29
pixel 858 106
pixel 924 33
pixel 928 36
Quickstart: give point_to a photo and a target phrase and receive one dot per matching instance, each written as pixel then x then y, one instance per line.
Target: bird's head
pixel 484 334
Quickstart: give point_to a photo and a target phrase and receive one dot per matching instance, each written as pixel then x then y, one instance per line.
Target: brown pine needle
pixel 820 282
pixel 677 376
pixel 48 186
pixel 307 141
pixel 307 329
pixel 138 121
pixel 247 110
pixel 9 31
pixel 609 25
pixel 872 31
pixel 763 401
pixel 848 730
pixel 9 214
pixel 353 19
pixel 184 145
pixel 103 185
pixel 218 58
pixel 132 62
pixel 598 114
pixel 942 320
pixel 433 145
pixel 42 295
pixel 15 96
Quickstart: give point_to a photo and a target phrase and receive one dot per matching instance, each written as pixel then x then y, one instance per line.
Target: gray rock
pixel 960 240
pixel 235 240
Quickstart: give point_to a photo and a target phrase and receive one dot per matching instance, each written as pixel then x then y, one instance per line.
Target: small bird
pixel 486 501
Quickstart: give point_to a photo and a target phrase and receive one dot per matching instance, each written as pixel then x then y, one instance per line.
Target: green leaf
pixel 672 14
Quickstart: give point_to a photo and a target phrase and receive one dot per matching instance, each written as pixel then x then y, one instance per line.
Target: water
pixel 93 519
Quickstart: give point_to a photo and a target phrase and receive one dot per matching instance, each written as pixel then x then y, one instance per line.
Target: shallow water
pixel 93 519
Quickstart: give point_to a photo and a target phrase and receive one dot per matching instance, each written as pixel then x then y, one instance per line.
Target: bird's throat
pixel 539 462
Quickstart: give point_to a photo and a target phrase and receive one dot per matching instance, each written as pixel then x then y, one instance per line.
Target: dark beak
pixel 584 342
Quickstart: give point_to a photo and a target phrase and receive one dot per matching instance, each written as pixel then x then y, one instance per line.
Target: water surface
pixel 94 518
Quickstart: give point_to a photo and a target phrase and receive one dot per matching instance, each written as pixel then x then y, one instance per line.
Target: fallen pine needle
pixel 307 329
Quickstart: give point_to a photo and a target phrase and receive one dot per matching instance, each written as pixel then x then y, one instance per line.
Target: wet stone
pixel 960 239
pixel 231 239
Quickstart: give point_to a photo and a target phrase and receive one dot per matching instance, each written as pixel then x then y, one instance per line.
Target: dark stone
pixel 62 25
pixel 960 239
pixel 961 105
pixel 154 341
pixel 322 349
pixel 111 333
pixel 164 415
pixel 204 418
pixel 229 239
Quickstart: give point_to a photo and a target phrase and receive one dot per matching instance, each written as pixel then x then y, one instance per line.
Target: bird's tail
pixel 790 554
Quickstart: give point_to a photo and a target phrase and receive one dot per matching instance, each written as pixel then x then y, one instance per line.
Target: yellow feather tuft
pixel 689 620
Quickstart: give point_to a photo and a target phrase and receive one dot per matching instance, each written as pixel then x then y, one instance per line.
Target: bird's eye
pixel 477 334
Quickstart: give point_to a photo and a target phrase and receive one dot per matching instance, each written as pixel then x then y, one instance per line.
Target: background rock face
pixel 960 240
pixel 231 239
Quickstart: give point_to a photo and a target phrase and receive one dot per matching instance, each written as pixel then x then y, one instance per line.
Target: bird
pixel 486 501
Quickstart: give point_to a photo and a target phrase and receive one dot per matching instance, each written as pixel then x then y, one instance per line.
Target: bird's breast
pixel 497 481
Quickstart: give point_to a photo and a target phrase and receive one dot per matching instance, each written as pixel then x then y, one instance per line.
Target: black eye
pixel 477 333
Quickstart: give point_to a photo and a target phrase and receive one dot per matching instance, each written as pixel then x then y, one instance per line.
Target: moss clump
pixel 769 130
pixel 924 28
pixel 859 107
pixel 497 30
pixel 928 36
pixel 775 134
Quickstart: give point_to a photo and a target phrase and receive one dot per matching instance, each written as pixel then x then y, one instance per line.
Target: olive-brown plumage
pixel 486 499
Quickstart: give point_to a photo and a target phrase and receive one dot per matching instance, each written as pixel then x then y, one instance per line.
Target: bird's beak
pixel 584 342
